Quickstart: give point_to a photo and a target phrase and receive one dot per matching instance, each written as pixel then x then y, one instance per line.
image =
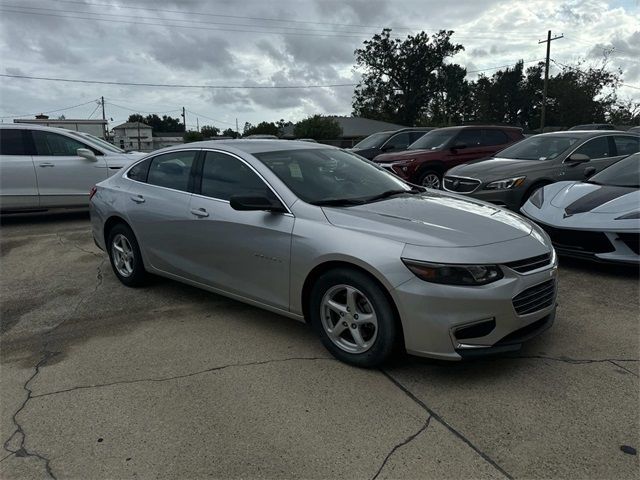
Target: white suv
pixel 44 167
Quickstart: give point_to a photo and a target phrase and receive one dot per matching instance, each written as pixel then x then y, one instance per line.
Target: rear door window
pixel 469 137
pixel 494 137
pixel 596 148
pixel 171 170
pixel 15 141
pixel 626 145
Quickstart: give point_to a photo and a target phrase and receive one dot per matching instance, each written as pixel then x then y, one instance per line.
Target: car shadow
pixel 607 269
pixel 43 217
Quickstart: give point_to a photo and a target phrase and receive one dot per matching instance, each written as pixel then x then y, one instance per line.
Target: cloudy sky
pixel 261 43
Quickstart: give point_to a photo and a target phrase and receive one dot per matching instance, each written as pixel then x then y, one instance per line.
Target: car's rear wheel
pixel 353 317
pixel 431 179
pixel 125 257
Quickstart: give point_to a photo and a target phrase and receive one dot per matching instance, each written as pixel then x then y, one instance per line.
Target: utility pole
pixel 184 119
pixel 138 136
pixel 237 131
pixel 104 125
pixel 197 124
pixel 543 110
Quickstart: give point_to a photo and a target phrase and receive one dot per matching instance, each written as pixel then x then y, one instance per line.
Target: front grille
pixel 535 298
pixel 631 240
pixel 578 240
pixel 462 185
pixel 529 264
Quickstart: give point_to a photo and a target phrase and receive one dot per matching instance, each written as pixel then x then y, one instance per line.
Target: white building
pixel 93 127
pixel 133 136
pixel 167 139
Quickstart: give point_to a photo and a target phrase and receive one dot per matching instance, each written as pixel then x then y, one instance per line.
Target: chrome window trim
pixel 609 134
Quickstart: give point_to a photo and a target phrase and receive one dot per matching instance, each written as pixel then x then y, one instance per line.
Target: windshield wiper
pixel 391 193
pixel 338 202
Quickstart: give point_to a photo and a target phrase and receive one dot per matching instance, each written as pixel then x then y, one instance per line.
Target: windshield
pixel 433 140
pixel 373 141
pixel 625 173
pixel 98 141
pixel 322 176
pixel 540 147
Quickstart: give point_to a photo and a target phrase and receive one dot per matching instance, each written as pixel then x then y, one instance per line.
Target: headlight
pixel 629 216
pixel 454 274
pixel 538 197
pixel 505 184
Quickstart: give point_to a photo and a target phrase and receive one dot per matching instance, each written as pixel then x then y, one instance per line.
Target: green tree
pixel 400 76
pixel 230 132
pixel 318 128
pixel 192 136
pixel 164 124
pixel 451 104
pixel 209 131
pixel 625 112
pixel 263 128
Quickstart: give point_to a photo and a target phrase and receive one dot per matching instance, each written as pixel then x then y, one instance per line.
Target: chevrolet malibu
pixel 317 234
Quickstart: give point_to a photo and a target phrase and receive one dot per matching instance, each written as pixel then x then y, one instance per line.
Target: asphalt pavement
pixel 102 381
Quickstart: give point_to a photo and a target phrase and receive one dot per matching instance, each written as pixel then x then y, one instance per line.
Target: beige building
pixel 97 128
pixel 133 136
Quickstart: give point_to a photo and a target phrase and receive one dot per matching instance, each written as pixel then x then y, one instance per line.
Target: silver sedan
pixel 320 235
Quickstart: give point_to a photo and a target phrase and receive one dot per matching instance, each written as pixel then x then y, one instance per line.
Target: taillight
pixel 92 192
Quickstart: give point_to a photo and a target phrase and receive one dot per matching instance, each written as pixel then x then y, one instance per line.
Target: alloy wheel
pixel 431 180
pixel 122 255
pixel 349 319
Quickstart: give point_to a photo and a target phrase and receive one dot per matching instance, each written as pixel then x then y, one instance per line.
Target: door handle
pixel 138 199
pixel 199 212
pixel 43 165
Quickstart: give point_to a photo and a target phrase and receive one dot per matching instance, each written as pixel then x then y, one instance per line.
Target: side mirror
pixel 256 202
pixel 589 171
pixel 578 158
pixel 86 153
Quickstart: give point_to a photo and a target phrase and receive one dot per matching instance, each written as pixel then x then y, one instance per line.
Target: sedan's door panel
pixel 18 185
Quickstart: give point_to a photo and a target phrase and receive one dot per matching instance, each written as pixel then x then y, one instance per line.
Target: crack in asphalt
pixel 406 441
pixel 185 375
pixel 75 245
pixel 22 450
pixel 46 354
pixel 624 368
pixel 440 420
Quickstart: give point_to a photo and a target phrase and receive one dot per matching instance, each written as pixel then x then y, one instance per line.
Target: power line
pixel 209 118
pixel 51 111
pixel 94 110
pixel 244 17
pixel 177 85
pixel 505 66
pixel 137 110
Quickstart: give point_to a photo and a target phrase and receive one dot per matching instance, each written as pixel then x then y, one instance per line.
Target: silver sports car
pixel 598 219
pixel 319 234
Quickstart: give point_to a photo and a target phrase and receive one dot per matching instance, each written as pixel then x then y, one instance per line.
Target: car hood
pixel 404 155
pixel 581 197
pixel 496 168
pixel 432 219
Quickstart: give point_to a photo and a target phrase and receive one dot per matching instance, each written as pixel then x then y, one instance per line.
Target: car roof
pixel 249 146
pixel 499 127
pixel 586 133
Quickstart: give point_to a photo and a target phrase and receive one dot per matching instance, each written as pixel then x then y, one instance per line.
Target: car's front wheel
pixel 125 256
pixel 353 317
pixel 430 179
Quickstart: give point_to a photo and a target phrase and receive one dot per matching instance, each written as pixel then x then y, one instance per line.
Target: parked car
pixel 389 141
pixel 428 158
pixel 43 168
pixel 634 130
pixel 598 219
pixel 261 136
pixel 314 232
pixel 511 176
pixel 594 126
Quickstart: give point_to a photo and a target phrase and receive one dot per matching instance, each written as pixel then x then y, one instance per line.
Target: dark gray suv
pixel 389 141
pixel 512 175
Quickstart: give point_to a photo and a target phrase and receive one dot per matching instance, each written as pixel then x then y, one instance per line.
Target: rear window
pixel 494 137
pixel 171 170
pixel 14 142
pixel 139 171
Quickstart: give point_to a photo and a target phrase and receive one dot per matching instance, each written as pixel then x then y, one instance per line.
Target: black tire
pixel 386 340
pixel 430 173
pixel 138 276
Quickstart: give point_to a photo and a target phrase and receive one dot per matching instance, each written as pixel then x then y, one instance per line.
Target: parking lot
pixel 99 380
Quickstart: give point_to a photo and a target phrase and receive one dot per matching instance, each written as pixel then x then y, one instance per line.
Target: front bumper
pixel 433 315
